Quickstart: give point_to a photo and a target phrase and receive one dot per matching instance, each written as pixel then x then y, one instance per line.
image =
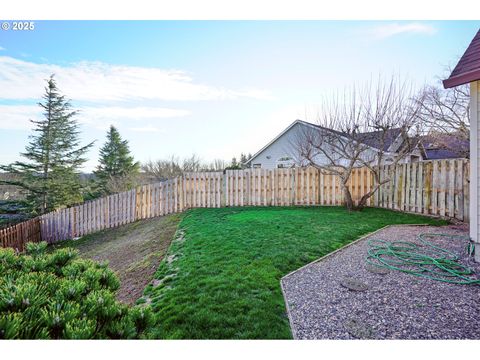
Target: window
pixel 257 166
pixel 285 162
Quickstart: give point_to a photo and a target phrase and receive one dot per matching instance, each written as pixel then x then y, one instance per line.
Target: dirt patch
pixel 133 251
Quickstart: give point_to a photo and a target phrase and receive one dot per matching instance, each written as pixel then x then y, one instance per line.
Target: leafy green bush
pixel 60 296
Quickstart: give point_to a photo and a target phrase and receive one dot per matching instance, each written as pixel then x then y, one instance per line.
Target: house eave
pixel 462 79
pixel 275 139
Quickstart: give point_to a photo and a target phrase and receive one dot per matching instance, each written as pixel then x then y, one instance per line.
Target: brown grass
pixel 133 251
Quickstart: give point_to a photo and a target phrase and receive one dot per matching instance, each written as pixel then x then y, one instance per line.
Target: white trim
pixel 474 99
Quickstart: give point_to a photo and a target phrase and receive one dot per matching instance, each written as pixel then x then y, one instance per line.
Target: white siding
pixel 474 165
pixel 283 146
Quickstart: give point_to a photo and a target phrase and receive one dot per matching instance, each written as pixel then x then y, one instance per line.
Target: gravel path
pixel 394 305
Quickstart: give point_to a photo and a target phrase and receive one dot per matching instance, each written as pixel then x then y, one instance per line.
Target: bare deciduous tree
pixel 163 169
pixel 446 112
pixel 120 183
pixel 356 130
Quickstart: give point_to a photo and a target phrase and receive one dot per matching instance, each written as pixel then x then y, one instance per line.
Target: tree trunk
pixel 46 163
pixel 347 197
pixel 363 201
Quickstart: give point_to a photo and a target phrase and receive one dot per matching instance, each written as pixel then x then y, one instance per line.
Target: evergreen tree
pixel 243 160
pixel 117 168
pixel 234 165
pixel 54 154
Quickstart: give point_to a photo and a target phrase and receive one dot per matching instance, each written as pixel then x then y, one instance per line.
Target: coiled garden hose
pixel 423 259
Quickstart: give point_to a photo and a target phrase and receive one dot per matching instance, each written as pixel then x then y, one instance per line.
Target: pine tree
pixel 54 154
pixel 117 167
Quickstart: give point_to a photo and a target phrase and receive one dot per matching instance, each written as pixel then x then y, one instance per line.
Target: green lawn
pixel 221 279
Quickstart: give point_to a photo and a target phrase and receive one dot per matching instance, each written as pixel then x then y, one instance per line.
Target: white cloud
pixel 103 117
pixel 17 116
pixel 132 113
pixel 101 82
pixel 2 48
pixel 388 30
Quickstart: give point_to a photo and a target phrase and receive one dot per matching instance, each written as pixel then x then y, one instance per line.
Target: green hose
pixel 425 259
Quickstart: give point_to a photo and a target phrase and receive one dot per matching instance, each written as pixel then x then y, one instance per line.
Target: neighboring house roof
pixel 369 138
pixel 437 154
pixel 373 139
pixel 468 68
pixel 444 146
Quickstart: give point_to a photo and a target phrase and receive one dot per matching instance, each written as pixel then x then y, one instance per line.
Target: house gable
pixel 282 146
pixel 279 148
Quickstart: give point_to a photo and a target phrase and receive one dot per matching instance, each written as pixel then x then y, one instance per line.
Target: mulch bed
pixel 341 297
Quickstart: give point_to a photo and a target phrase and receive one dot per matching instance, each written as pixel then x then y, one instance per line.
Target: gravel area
pixel 322 302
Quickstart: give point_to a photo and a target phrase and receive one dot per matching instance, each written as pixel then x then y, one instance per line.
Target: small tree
pixel 54 154
pixel 355 131
pixel 117 169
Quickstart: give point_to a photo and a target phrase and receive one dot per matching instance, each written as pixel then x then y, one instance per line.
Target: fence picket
pixel 443 186
pixel 451 188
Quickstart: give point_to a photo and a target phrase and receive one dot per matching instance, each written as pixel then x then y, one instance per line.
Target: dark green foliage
pixel 12 212
pixel 50 176
pixel 238 165
pixel 117 169
pixel 60 296
pixel 224 279
pixel 234 165
pixel 244 158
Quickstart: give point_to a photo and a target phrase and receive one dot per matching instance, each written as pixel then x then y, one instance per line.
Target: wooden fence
pixel 439 187
pixel 435 188
pixel 17 236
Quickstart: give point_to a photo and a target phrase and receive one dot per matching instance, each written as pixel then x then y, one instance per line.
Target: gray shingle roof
pixel 372 138
pixel 444 146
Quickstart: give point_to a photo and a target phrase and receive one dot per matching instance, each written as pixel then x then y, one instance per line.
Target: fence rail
pixel 434 187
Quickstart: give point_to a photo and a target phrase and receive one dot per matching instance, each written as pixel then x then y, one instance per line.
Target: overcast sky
pixel 211 88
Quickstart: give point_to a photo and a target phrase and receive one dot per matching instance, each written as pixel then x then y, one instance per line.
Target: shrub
pixel 57 295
